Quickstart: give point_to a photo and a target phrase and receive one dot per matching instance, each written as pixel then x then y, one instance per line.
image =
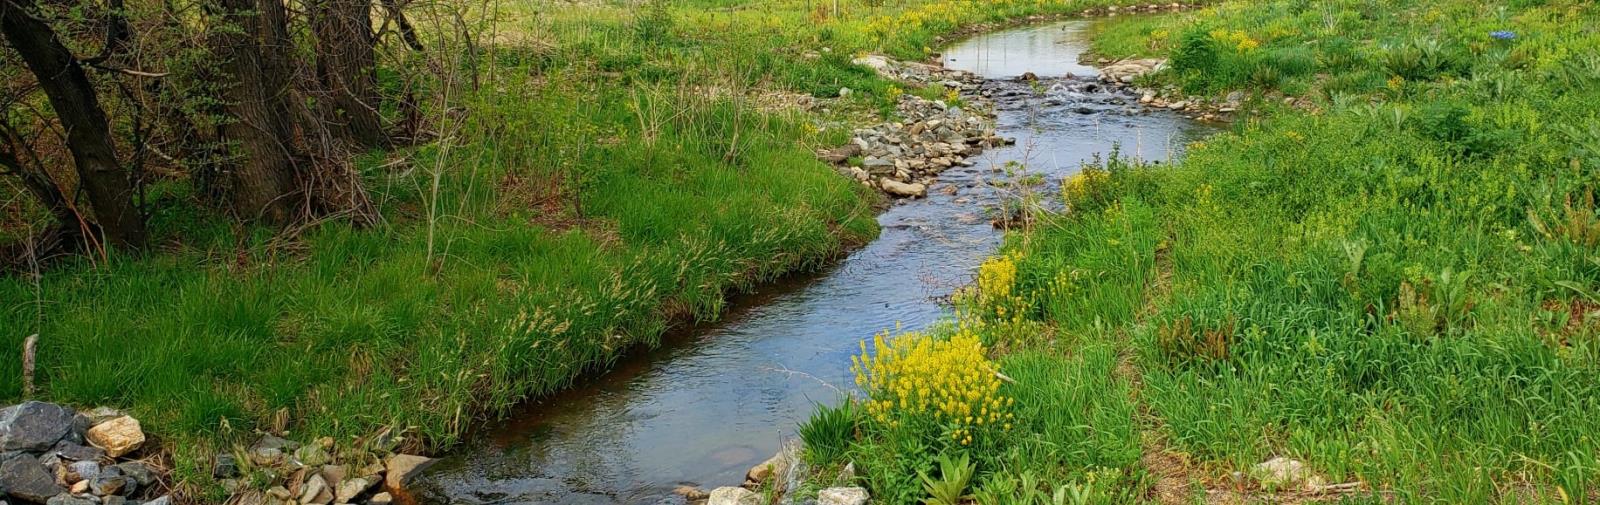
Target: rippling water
pixel 713 402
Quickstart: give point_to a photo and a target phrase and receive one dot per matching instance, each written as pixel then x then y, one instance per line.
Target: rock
pixel 1235 97
pixel 876 62
pixel 402 467
pixel 23 477
pixel 79 470
pixel 163 500
pixel 33 426
pixel 1029 76
pixel 280 493
pixel 350 488
pixel 67 499
pixel 1280 472
pixel 733 496
pixel 118 436
pixel 311 455
pixel 107 485
pixel 315 491
pixel 381 499
pixel 844 92
pixel 224 466
pixel 776 464
pixel 842 496
pixel 267 457
pixel 118 500
pixel 1147 98
pixel 74 452
pixel 902 189
pixel 140 472
pixel 1178 105
pixel 690 492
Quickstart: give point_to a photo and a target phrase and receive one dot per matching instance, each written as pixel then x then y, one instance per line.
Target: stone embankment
pixel 54 455
pixel 902 158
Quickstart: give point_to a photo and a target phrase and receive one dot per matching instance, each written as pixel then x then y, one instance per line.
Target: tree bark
pixel 78 108
pixel 263 184
pixel 347 67
pixel 407 32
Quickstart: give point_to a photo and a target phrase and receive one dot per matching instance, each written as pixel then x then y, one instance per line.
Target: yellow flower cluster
pixel 921 377
pixel 1083 183
pixel 948 13
pixel 1240 41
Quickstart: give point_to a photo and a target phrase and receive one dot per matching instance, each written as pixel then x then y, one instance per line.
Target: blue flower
pixel 1502 35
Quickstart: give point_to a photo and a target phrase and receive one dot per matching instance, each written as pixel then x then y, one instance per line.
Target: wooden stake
pixel 28 346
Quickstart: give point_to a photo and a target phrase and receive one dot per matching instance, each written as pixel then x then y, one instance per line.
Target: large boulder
pixel 34 426
pixel 22 476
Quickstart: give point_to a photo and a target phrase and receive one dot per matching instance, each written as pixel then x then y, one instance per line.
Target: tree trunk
pixel 263 184
pixel 88 132
pixel 347 66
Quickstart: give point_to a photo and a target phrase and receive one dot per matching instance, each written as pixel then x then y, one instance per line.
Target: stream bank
pixel 703 410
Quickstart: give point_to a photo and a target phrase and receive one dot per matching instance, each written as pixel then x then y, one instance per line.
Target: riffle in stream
pixel 704 408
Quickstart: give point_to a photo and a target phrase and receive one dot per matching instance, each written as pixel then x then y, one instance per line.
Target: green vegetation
pixel 1393 282
pixel 615 169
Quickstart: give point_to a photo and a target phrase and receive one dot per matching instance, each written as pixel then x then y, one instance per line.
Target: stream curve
pixel 705 407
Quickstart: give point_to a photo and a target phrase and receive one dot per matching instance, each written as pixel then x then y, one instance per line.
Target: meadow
pixel 1394 281
pixel 620 169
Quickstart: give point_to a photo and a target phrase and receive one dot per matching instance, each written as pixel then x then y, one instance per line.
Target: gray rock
pixel 114 500
pixel 23 477
pixel 67 499
pixel 381 499
pixel 163 500
pixel 33 426
pixel 225 466
pixel 75 452
pixel 107 485
pixel 141 473
pixel 842 496
pixel 82 470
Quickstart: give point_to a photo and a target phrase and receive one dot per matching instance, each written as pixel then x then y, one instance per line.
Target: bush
pixel 829 433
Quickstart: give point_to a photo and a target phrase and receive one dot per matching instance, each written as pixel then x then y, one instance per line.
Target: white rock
pixel 897 188
pixel 842 496
pixel 1280 472
pixel 733 496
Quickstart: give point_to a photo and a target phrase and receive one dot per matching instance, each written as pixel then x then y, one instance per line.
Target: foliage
pixel 920 382
pixel 829 432
pixel 951 486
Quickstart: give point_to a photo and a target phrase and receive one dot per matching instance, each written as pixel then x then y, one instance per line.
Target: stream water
pixel 707 405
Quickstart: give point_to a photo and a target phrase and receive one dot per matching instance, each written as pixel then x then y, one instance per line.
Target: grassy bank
pixel 1395 283
pixel 620 168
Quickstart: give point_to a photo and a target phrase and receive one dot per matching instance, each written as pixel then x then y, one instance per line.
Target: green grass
pixel 616 173
pixel 1395 284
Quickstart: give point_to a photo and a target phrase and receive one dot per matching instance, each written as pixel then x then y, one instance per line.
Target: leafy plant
pixel 951 486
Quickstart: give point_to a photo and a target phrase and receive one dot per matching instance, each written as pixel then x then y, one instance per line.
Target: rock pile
pixel 50 454
pixel 902 158
pixel 1126 71
pixel 1113 10
pixel 318 473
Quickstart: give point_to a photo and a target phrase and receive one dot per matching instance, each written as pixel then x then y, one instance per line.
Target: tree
pixel 264 183
pixel 72 96
pixel 347 66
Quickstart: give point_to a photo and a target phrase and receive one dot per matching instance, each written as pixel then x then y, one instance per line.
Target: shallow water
pixel 708 405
